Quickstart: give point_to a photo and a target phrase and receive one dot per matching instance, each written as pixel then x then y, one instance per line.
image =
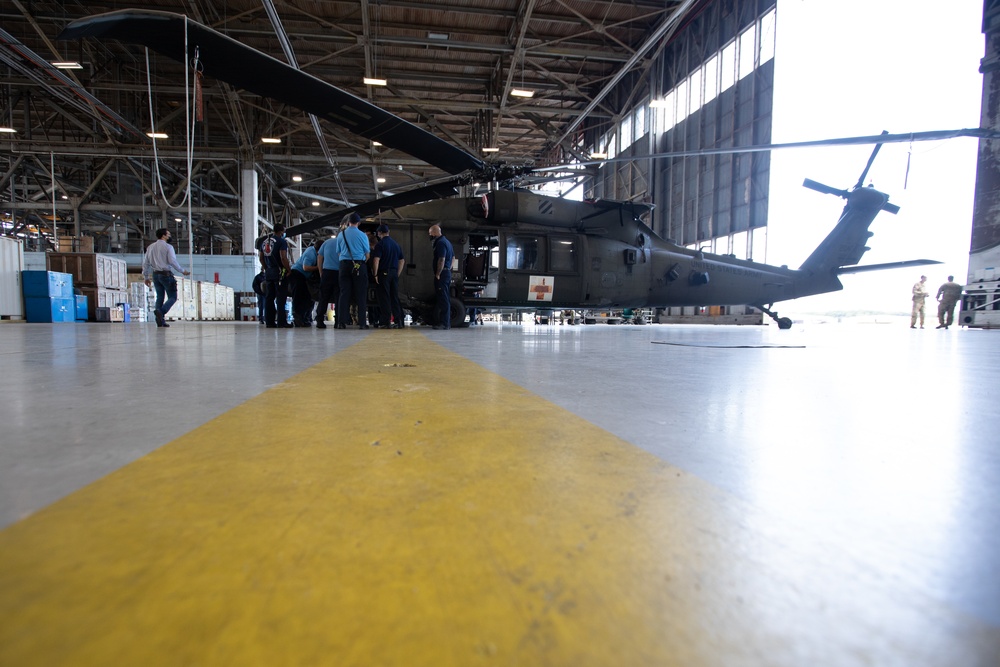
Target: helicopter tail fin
pixel 845 245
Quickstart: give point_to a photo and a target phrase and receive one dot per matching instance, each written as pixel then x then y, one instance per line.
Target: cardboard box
pixel 76 244
pixel 109 314
pixel 39 309
pixel 89 269
pixel 47 284
pixel 98 297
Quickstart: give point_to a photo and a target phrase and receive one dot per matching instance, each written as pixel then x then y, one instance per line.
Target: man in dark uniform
pixel 274 258
pixel 947 296
pixel 387 265
pixel 443 256
pixel 353 249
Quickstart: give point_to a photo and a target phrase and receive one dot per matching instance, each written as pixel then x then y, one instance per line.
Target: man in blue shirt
pixel 298 281
pixel 274 258
pixel 387 266
pixel 353 249
pixel 329 269
pixel 443 256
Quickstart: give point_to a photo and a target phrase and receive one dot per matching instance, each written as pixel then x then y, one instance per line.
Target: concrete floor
pixel 531 495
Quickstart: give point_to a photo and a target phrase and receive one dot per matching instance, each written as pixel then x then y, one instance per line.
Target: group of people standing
pixel 331 271
pixel 948 296
pixel 334 271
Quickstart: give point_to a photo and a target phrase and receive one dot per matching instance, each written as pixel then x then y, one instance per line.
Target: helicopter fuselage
pixel 516 249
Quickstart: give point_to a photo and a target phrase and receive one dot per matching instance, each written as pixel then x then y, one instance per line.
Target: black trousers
pixel 302 303
pixel 356 285
pixel 329 288
pixel 442 305
pixel 275 296
pixel 387 292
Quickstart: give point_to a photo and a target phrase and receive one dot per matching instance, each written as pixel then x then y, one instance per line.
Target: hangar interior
pixel 219 494
pixel 545 84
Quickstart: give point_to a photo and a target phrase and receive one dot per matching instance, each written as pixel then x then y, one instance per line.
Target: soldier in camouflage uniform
pixel 919 294
pixel 947 296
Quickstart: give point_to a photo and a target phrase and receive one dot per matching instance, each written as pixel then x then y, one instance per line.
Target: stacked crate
pixel 206 301
pixel 215 301
pixel 76 244
pixel 141 300
pixel 48 296
pixel 101 278
pixel 248 306
pixel 186 306
pixel 225 306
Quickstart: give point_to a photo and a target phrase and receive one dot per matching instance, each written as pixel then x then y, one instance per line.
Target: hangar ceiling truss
pixel 451 67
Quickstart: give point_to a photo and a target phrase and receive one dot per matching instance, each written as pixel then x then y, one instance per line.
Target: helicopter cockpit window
pixel 523 253
pixel 562 254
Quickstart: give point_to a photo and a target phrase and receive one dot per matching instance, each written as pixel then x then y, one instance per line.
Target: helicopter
pixel 515 248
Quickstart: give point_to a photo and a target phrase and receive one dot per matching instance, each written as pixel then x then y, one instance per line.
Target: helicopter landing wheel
pixel 783 322
pixel 458 314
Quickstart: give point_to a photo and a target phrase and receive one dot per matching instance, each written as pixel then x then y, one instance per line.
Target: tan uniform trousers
pixel 918 311
pixel 946 312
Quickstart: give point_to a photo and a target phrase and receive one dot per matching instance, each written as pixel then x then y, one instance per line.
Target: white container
pixel 224 302
pixel 206 300
pixel 11 265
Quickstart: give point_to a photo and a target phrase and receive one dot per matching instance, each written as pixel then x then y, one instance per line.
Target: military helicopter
pixel 515 248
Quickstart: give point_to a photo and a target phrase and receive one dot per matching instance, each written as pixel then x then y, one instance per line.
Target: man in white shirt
pixel 156 266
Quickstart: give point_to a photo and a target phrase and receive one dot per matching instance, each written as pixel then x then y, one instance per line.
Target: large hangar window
pixel 711 88
pixel 717 202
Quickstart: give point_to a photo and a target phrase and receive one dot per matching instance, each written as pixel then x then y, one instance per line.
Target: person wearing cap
pixel 353 249
pixel 273 255
pixel 387 265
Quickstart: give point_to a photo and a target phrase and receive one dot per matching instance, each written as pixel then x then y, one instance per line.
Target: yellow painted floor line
pixel 397 504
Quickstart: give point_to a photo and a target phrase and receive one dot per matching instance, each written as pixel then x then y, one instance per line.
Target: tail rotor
pixel 845 194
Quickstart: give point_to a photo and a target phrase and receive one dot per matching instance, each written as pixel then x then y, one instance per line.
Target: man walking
pixel 947 296
pixel 443 256
pixel 353 249
pixel 274 258
pixel 919 294
pixel 160 258
pixel 387 265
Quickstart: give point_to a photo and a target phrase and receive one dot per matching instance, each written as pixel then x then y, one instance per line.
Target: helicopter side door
pixel 540 269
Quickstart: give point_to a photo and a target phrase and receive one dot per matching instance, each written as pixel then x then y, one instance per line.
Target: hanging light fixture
pixel 372 78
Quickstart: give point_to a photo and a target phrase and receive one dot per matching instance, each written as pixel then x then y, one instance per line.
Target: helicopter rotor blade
pixel 376 206
pixel 825 189
pixel 932 135
pixel 871 160
pixel 242 66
